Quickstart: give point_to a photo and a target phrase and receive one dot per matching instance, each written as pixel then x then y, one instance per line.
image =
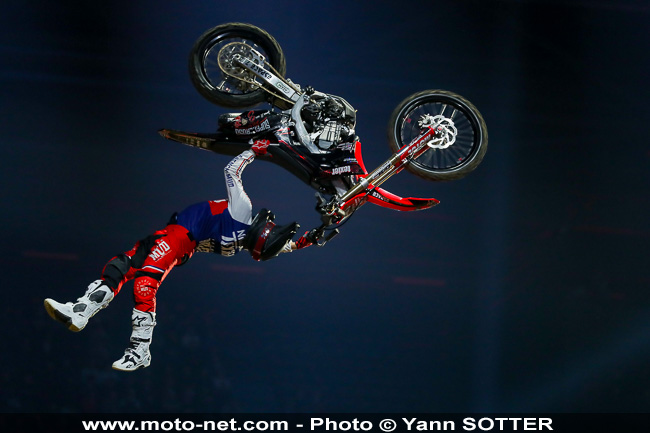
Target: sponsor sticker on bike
pixel 256 68
pixel 263 126
pixel 283 87
pixel 341 170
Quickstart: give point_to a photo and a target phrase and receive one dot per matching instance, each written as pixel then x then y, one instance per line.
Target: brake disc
pixel 446 131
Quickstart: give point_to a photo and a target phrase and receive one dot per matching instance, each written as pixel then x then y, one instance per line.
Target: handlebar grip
pixel 331 235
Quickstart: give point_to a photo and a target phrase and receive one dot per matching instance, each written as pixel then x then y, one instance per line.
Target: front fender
pixel 381 197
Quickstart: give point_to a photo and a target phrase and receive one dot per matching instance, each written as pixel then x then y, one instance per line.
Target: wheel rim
pixel 467 132
pixel 213 74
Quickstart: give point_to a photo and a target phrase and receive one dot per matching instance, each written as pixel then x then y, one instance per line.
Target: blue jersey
pixel 219 226
pixel 213 228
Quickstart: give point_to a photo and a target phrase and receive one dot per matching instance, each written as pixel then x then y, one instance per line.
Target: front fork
pixel 340 207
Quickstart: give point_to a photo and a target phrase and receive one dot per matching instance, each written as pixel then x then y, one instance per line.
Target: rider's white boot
pixel 75 316
pixel 137 355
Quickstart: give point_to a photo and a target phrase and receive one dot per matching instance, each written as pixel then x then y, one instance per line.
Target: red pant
pixel 161 252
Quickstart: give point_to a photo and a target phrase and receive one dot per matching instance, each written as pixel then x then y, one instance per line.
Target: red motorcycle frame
pixel 435 134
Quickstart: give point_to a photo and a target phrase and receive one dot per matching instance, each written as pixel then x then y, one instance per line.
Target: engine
pixel 330 120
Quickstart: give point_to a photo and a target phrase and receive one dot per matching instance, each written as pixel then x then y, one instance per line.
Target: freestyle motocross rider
pixel 218 226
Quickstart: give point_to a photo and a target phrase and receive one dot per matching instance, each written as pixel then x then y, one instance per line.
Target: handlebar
pixel 317 236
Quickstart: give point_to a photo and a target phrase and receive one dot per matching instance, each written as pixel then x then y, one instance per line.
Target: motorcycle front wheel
pixel 464 141
pixel 217 86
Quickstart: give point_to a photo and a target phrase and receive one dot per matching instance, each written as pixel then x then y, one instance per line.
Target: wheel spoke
pixel 216 76
pixel 454 154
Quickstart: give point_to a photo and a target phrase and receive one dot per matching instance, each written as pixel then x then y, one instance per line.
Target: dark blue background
pixel 526 289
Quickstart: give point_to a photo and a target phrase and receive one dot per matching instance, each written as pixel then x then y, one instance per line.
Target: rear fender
pixel 225 144
pixel 214 142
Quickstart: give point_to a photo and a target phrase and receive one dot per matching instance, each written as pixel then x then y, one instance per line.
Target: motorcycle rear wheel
pixel 212 83
pixel 469 132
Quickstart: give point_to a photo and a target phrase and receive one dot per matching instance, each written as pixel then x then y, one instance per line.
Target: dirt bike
pixel 435 134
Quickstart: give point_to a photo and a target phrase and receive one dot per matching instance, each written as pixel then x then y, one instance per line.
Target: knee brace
pixel 115 270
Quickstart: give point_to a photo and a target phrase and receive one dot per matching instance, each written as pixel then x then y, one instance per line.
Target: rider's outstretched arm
pixel 301 243
pixel 239 204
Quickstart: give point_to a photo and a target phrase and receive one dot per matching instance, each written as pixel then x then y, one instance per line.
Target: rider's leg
pixel 123 267
pixel 118 270
pixel 137 354
pixel 167 251
pixel 75 315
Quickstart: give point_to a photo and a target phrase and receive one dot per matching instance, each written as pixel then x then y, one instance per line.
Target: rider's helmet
pixel 265 239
